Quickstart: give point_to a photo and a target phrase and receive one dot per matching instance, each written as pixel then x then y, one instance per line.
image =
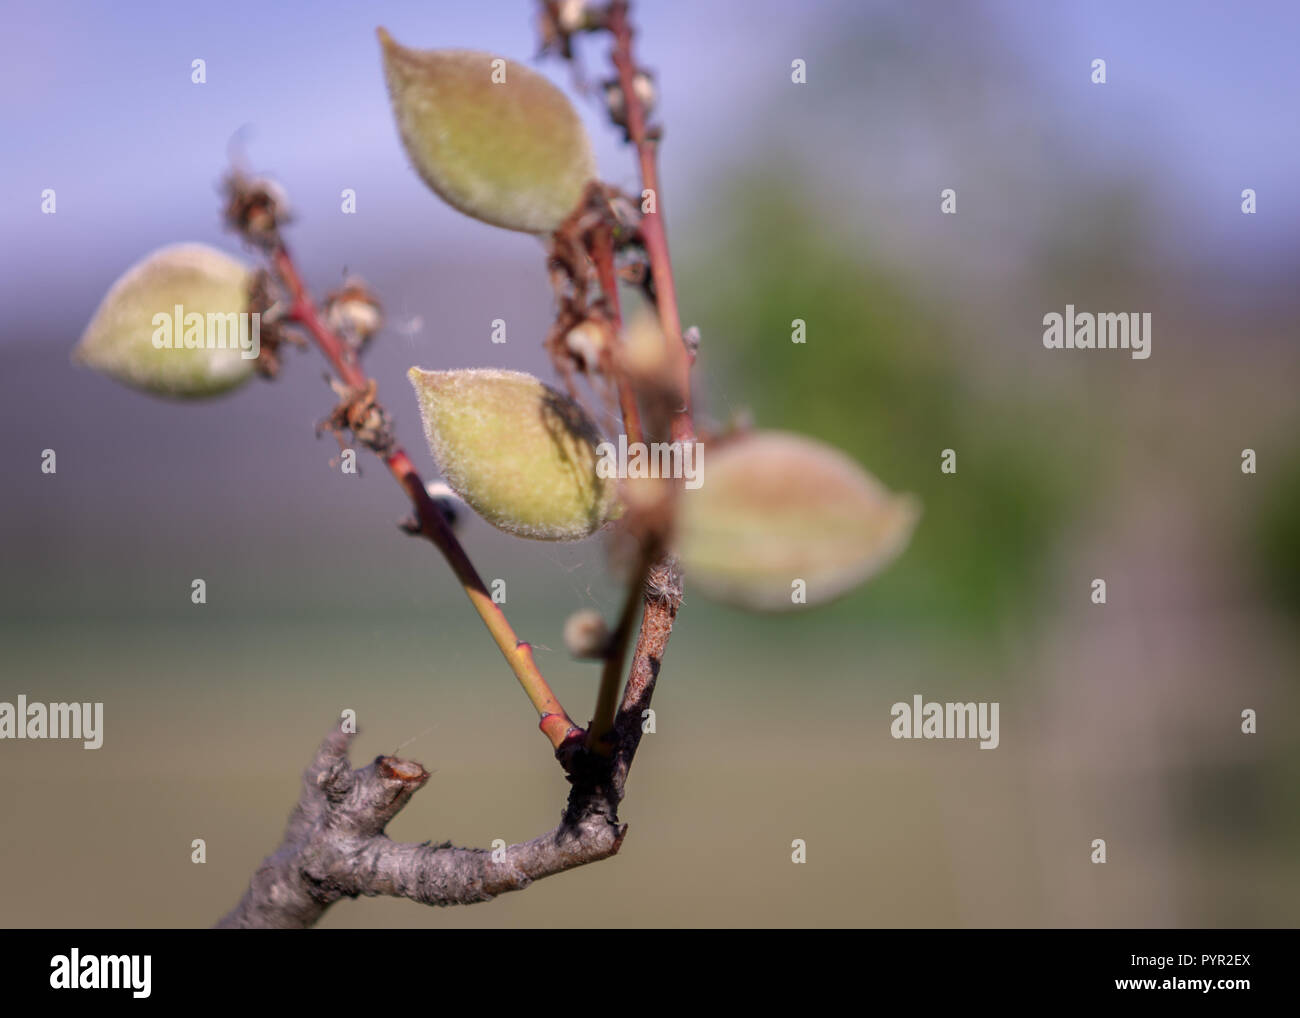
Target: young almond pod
pixel 520 453
pixel 782 521
pixel 491 137
pixel 586 635
pixel 176 324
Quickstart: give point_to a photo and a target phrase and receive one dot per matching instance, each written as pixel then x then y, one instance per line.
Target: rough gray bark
pixel 335 846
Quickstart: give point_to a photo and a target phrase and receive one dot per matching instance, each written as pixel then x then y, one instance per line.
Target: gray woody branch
pixel 335 846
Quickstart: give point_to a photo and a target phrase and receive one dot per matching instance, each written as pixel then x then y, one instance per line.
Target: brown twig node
pixel 360 412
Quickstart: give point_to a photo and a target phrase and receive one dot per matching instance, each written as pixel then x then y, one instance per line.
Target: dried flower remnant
pixel 585 634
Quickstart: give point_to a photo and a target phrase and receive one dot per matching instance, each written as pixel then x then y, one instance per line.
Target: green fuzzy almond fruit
pixel 137 336
pixel 522 455
pixel 491 137
pixel 776 507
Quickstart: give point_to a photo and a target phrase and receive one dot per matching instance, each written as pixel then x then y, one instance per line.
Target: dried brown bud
pixel 266 300
pixel 586 343
pixel 615 103
pixel 354 312
pixel 691 340
pixel 625 212
pixel 571 15
pixel 585 634
pixel 643 87
pixel 256 208
pixel 560 20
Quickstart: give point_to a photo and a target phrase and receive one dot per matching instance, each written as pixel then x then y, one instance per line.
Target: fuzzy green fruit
pixel 776 507
pixel 120 339
pixel 493 138
pixel 521 454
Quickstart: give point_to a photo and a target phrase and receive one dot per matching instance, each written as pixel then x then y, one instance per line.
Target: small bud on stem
pixel 586 634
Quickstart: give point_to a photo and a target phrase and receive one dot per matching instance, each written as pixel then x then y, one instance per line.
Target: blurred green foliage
pixel 1277 536
pixel 887 375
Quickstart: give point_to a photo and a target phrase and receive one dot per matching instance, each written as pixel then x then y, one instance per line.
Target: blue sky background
pixel 101 108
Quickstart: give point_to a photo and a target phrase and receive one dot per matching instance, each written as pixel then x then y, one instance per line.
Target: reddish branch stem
pixel 657 580
pixel 654 237
pixel 335 845
pixel 601 252
pixel 555 723
pixel 602 721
